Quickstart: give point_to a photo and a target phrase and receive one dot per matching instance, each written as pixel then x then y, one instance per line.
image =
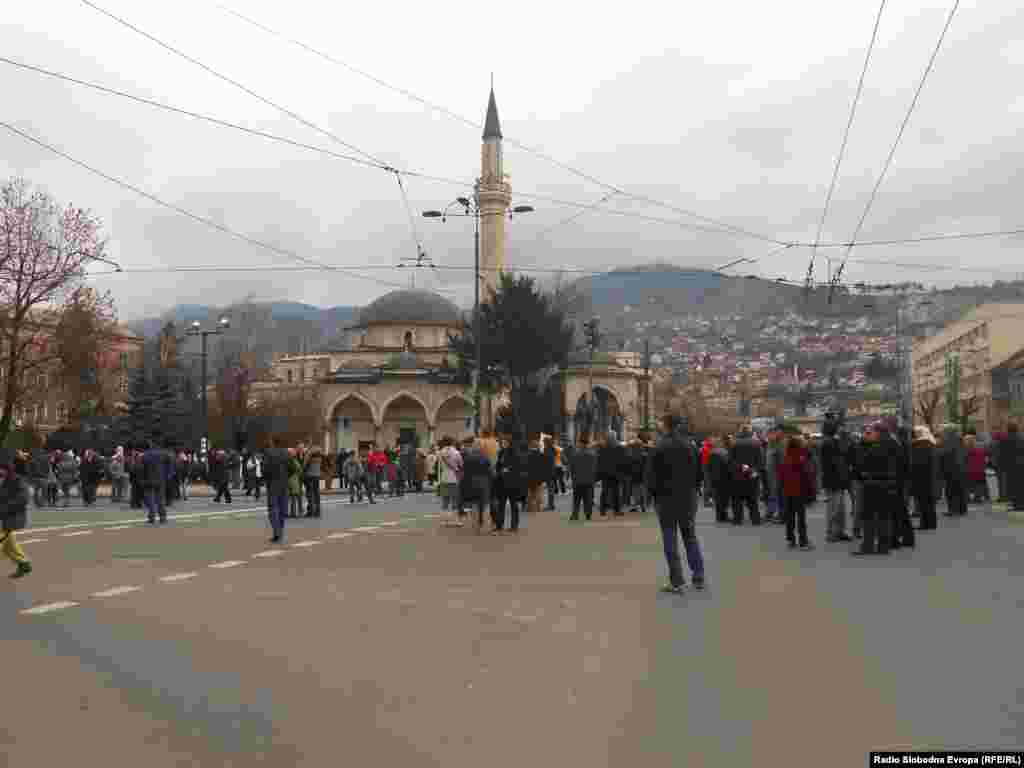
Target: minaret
pixel 494 196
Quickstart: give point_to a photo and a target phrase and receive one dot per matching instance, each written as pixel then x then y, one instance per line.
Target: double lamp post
pixel 471 208
pixel 197 329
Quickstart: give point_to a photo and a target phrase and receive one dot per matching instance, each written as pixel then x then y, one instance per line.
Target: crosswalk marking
pixel 178 577
pixel 48 607
pixel 32 541
pixel 340 535
pixel 228 564
pixel 270 553
pixel 115 591
pixel 307 543
pixel 367 529
pixel 77 533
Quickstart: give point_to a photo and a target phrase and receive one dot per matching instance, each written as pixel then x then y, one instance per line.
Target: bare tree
pixel 44 251
pixel 929 406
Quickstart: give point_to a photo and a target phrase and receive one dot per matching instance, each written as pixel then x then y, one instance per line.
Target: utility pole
pixel 197 330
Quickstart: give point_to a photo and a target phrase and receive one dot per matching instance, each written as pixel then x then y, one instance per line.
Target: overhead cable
pixel 313 263
pixel 842 146
pixel 532 150
pixel 899 135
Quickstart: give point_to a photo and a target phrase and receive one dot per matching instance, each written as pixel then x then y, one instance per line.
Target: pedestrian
pixel 798 483
pixel 551 458
pixel 583 468
pixel 924 482
pixel 538 473
pixel 153 484
pixel 747 467
pixel 91 472
pixel 835 478
pixel 476 482
pixel 118 475
pixel 514 476
pixel 13 515
pixel 294 483
pixel 977 468
pixel 220 476
pixel 311 467
pixel 39 472
pixel 254 469
pixel 275 469
pixel 954 471
pixel 67 474
pixel 674 477
pixel 720 475
pixel 354 472
pixel 774 453
pixel 879 473
pixel 450 468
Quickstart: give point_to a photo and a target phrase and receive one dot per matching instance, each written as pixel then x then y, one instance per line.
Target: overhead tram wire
pixel 892 151
pixel 461 183
pixel 465 120
pixel 579 214
pixel 311 263
pixel 842 146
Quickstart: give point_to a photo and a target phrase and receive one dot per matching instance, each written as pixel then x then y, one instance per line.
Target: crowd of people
pixel 887 474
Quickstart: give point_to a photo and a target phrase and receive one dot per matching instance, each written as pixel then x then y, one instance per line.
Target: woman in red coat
pixel 977 463
pixel 797 482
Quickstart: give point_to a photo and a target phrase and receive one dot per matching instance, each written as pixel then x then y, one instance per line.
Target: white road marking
pixel 110 524
pixel 120 527
pixel 32 541
pixel 77 533
pixel 340 536
pixel 48 607
pixel 270 553
pixel 178 577
pixel 367 529
pixel 115 591
pixel 392 522
pixel 228 564
pixel 307 543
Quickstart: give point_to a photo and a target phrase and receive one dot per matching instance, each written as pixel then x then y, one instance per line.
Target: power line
pixel 575 216
pixel 924 239
pixel 187 213
pixel 244 88
pixel 899 136
pixel 461 183
pixel 531 150
pixel 842 146
pixel 196 115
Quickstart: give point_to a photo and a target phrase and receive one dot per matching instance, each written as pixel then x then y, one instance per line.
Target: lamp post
pixel 223 323
pixel 471 208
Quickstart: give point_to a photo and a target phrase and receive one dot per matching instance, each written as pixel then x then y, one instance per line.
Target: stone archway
pixel 454 418
pixel 352 422
pixel 606 412
pixel 402 416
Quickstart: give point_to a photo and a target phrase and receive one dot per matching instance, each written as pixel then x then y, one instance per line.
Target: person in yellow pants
pixel 13 513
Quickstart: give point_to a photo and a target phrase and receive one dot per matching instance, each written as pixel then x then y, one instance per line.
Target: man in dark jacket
pixel 835 478
pixel 612 463
pixel 879 470
pixel 13 514
pixel 275 471
pixel 747 461
pixel 673 478
pixel 583 468
pixel 153 480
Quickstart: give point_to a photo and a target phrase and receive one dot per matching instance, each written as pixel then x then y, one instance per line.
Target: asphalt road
pixel 377 637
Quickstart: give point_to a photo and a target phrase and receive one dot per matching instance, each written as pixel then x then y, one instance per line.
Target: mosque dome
pixel 410 306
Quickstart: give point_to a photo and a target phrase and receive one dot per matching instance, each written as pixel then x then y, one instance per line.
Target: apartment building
pixel 987 342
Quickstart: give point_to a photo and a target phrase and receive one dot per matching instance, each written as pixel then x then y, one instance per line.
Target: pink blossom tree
pixel 44 252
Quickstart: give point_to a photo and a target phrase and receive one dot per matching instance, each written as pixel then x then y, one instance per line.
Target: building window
pixel 122 385
pixel 62 412
pixel 289 375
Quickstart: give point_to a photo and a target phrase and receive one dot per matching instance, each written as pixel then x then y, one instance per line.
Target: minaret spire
pixel 492 126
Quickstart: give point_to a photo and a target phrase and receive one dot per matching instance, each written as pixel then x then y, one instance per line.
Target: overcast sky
pixel 731 109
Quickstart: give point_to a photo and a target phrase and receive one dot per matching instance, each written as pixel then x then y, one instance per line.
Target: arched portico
pixel 403 416
pixel 352 420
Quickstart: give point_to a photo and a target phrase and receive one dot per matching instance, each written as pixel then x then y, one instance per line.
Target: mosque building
pixel 396 380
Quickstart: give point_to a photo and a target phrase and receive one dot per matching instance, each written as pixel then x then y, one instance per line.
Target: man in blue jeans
pixel 275 471
pixel 673 477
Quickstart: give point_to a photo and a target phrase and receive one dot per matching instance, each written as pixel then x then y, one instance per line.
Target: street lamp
pixel 196 329
pixel 471 207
